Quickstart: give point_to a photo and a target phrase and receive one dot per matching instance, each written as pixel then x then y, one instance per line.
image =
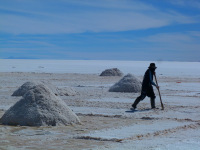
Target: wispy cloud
pixel 186 3
pixel 112 16
pixel 170 37
pixel 181 43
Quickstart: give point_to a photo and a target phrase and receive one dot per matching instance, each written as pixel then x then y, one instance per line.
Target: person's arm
pixel 151 79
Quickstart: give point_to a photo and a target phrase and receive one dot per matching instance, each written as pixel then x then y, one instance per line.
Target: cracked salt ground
pixel 103 114
pixel 129 132
pixel 177 139
pixel 56 137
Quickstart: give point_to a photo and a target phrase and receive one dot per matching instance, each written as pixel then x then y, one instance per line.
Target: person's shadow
pixel 141 110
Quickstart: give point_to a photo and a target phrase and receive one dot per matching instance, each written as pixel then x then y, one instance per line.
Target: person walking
pixel 147 87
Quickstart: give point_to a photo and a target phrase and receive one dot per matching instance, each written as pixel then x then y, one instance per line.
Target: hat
pixel 152 65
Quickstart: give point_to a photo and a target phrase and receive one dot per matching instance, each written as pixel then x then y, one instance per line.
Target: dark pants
pixel 148 91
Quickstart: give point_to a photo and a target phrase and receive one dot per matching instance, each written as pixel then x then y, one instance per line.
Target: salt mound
pixel 128 83
pixel 111 72
pixel 39 107
pixel 29 85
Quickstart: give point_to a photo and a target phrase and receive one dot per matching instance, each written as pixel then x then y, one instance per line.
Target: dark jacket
pixel 148 80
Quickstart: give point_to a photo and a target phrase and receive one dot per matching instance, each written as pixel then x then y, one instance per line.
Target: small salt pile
pixel 128 83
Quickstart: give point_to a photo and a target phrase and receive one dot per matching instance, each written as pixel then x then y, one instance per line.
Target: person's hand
pixel 157 87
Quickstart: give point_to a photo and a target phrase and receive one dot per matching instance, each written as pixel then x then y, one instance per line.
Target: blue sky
pixel 153 30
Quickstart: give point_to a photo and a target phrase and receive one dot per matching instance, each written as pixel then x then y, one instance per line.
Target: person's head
pixel 152 66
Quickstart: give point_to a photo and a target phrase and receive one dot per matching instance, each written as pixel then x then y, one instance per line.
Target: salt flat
pixel 107 122
pixel 166 68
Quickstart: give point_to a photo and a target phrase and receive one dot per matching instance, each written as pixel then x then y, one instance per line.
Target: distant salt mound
pixel 128 83
pixel 29 85
pixel 111 72
pixel 39 107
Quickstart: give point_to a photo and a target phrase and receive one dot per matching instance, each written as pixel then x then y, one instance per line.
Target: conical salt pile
pixel 111 72
pixel 39 107
pixel 128 83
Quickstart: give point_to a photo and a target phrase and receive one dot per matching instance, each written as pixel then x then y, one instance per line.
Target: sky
pixel 140 30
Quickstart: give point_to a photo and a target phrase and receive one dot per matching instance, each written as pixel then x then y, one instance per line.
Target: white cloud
pixel 118 16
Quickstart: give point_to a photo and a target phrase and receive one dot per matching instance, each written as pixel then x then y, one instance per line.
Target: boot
pixel 153 103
